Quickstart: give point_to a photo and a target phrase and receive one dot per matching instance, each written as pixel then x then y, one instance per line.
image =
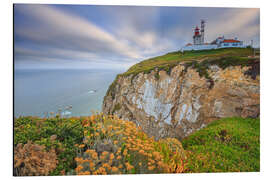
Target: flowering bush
pixel 115 146
pixel 32 160
pixel 53 133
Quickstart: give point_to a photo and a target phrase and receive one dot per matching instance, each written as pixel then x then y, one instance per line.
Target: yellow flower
pixel 91 165
pixel 94 155
pixel 104 153
pixel 111 156
pixel 101 169
pixel 81 146
pixel 118 157
pixel 125 152
pixel 151 168
pixel 114 169
pixel 110 127
pixel 129 167
pixel 120 166
pixel 106 165
pixel 79 168
pixel 141 151
pixel 86 173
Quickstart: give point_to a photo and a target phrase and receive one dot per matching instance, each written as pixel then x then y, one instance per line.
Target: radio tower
pixel 202 31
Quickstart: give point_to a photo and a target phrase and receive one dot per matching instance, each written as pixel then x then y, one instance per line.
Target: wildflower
pixel 101 169
pixel 110 127
pixel 81 146
pixel 160 164
pixel 118 157
pixel 104 153
pixel 151 168
pixel 120 166
pixel 141 151
pixel 125 152
pixel 111 156
pixel 114 169
pixel 129 167
pixel 91 165
pixel 115 142
pixel 94 155
pixel 79 168
pixel 106 165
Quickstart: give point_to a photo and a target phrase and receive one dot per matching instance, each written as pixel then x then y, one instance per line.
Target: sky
pixel 116 37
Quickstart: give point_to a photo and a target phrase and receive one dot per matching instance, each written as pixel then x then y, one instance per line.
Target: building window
pixel 225 44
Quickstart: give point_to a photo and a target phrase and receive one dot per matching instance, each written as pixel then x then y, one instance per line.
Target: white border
pixel 7 91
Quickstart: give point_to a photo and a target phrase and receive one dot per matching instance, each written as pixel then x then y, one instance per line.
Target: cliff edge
pixel 176 94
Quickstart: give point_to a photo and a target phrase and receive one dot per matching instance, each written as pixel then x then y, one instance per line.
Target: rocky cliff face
pixel 178 103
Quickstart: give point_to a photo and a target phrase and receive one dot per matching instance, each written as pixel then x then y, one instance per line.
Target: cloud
pixel 119 35
pixel 235 22
pixel 67 31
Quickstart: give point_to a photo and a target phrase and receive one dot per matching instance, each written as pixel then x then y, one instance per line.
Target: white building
pixel 220 42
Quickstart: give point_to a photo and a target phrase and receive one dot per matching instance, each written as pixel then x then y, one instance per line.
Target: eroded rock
pixel 178 104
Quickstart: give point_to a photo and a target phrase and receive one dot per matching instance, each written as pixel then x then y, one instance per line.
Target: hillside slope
pixel 226 145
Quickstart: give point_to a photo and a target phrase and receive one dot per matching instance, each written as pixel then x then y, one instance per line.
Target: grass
pixel 196 59
pixel 169 60
pixel 226 145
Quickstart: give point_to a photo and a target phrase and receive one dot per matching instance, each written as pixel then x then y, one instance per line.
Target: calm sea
pixel 39 91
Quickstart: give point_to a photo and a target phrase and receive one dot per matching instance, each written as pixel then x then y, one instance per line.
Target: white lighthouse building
pixel 220 42
pixel 198 38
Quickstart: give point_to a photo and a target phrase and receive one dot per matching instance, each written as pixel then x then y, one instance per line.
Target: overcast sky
pixel 111 37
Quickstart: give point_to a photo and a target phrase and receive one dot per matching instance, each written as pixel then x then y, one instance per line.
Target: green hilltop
pixel 200 60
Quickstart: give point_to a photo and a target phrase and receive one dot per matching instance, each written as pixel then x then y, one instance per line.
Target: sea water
pixel 71 92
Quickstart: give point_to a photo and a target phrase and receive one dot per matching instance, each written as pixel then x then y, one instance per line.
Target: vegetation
pixel 97 144
pixel 55 133
pixel 196 59
pixel 114 146
pixel 32 160
pixel 226 145
pixel 105 144
pixel 168 61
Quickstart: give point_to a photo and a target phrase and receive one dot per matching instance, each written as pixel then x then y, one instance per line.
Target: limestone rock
pixel 179 103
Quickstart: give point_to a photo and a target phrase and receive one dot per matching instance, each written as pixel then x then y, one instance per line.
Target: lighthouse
pixel 197 36
pixel 220 42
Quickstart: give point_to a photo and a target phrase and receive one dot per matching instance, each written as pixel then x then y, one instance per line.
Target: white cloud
pixel 68 31
pixel 234 23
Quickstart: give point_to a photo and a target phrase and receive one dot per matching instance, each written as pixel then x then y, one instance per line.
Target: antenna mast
pixel 202 31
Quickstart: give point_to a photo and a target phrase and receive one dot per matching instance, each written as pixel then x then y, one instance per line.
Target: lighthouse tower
pixel 197 36
pixel 202 31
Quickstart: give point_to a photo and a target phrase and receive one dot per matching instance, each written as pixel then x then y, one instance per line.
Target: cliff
pixel 177 94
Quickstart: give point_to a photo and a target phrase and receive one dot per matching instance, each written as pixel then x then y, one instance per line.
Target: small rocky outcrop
pixel 179 102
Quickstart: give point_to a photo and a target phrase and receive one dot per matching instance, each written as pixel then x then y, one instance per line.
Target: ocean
pixel 73 92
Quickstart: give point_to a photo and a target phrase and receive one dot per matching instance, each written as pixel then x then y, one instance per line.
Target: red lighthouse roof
pixel 230 40
pixel 197 31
